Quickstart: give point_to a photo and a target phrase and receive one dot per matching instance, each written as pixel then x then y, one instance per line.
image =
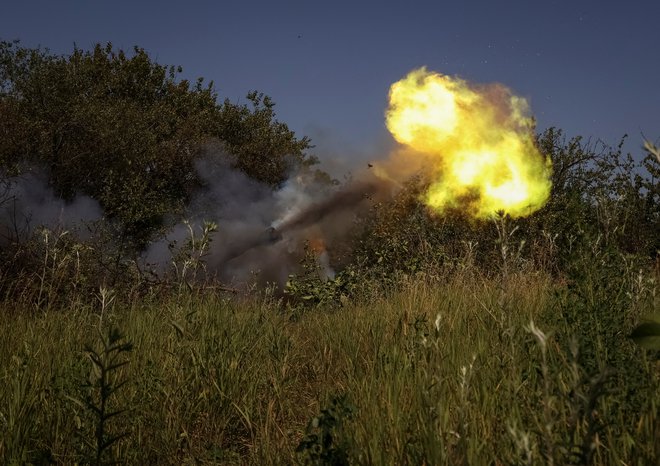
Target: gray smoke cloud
pixel 28 203
pixel 262 232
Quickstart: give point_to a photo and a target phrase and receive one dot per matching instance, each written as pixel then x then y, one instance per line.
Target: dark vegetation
pixel 126 132
pixel 441 340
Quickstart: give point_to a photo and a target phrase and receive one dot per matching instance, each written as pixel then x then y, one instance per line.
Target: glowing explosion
pixel 478 141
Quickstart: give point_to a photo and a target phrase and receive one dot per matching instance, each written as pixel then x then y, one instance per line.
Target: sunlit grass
pixel 440 372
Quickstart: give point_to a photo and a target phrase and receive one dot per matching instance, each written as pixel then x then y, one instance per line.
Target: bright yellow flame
pixel 478 142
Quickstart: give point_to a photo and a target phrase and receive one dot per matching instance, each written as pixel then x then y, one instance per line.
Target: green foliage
pixel 311 288
pixel 404 236
pixel 325 443
pixel 53 269
pixel 569 394
pixel 598 194
pixel 120 129
pixel 261 146
pixel 126 131
pixel 446 370
pixel 188 259
pixel 20 405
pixel 102 389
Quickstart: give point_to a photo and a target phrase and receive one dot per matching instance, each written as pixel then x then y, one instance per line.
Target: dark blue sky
pixel 589 67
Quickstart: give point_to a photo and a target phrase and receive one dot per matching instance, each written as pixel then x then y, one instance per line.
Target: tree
pixel 126 131
pixel 264 148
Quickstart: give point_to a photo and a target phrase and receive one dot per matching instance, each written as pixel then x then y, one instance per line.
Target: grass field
pixel 454 370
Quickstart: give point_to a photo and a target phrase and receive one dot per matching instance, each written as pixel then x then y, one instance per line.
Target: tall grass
pixel 464 369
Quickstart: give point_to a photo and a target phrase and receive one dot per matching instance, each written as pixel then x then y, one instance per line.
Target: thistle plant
pixel 100 391
pixel 189 259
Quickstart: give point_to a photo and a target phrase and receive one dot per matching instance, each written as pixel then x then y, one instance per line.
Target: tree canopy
pixel 126 130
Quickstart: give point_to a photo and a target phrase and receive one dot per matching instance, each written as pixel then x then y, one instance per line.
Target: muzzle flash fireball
pixel 477 141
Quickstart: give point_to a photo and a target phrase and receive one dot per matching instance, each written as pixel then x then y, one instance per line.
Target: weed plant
pixel 461 369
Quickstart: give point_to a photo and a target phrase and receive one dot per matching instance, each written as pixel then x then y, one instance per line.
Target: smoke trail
pixel 344 199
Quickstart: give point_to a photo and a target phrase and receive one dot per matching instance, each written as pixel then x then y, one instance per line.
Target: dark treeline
pixel 119 139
